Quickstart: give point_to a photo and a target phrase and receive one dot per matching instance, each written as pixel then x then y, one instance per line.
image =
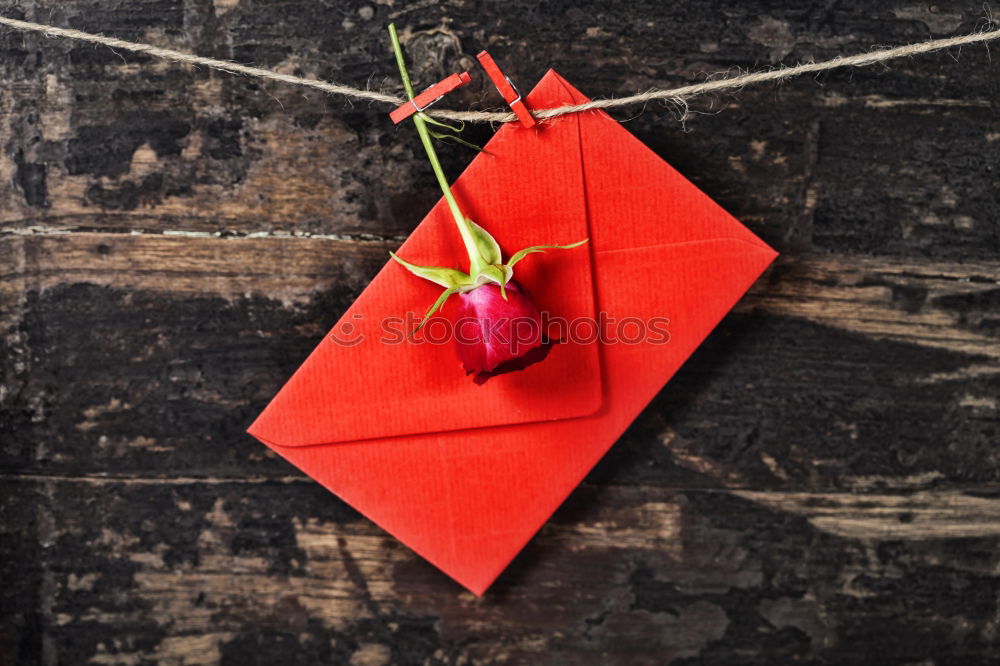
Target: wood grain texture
pixel 820 484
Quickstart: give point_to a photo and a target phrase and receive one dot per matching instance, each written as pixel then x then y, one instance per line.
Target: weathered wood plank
pixel 259 571
pixel 192 150
pixel 835 369
pixel 924 302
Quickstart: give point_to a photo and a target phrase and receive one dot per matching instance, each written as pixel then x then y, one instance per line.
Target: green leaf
pixel 518 256
pixel 452 137
pixel 434 308
pixel 488 248
pixel 446 277
pixel 441 136
pixel 434 121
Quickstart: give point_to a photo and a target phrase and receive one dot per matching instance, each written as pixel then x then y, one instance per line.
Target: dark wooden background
pixel 818 485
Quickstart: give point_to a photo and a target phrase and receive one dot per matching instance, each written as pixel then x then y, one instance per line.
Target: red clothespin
pixel 429 96
pixel 507 89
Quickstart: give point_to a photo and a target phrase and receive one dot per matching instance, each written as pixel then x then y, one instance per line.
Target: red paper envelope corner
pixel 464 474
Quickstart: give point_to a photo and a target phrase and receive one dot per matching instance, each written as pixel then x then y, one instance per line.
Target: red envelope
pixel 466 474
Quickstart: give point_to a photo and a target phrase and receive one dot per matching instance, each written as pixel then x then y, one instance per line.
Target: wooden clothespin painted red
pixel 507 89
pixel 429 96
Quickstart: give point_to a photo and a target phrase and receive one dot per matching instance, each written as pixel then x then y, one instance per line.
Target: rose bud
pixel 494 335
pixel 498 327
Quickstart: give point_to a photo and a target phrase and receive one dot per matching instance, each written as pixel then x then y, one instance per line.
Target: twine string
pixel 676 95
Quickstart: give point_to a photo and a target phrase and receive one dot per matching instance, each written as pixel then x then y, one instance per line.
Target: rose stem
pixel 425 138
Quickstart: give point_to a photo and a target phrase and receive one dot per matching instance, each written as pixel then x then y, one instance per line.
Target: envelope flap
pixel 366 380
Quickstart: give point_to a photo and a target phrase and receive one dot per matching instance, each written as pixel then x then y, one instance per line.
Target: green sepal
pixel 446 277
pixel 495 274
pixel 518 256
pixel 434 308
pixel 488 247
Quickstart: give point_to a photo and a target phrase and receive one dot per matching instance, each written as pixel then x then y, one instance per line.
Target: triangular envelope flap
pixel 469 509
pixel 366 380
